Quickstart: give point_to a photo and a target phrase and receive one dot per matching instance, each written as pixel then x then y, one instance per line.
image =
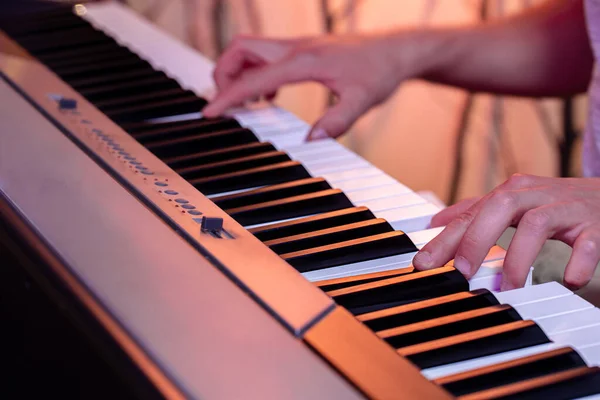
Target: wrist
pixel 425 53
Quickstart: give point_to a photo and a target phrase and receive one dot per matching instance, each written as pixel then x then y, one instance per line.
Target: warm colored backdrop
pixel 413 135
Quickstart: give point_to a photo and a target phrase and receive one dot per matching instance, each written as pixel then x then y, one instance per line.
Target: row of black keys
pixel 216 156
pixel 410 311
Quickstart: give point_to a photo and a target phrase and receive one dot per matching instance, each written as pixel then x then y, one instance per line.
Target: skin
pixel 542 52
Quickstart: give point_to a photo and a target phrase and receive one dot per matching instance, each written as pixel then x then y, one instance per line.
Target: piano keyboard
pixel 327 215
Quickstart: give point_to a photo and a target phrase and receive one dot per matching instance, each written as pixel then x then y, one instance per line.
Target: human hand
pixel 566 209
pixel 361 70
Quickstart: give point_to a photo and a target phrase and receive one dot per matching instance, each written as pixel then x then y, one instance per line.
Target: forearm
pixel 543 52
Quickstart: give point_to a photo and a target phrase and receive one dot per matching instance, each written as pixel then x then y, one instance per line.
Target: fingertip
pixel 423 260
pixel 463 265
pixel 317 134
pixel 209 112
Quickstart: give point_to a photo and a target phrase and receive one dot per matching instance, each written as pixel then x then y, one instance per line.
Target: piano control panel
pixel 315 242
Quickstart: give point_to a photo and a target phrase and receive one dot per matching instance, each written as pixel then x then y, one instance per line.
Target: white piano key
pixel 319 168
pixel 422 237
pixel 378 193
pixel 315 147
pixel 533 294
pixel 336 177
pixel 388 203
pixel 409 219
pixel 331 157
pixel 591 355
pixel 468 365
pixel 283 141
pixel 574 320
pixel 364 183
pixel 587 336
pixel 392 262
pixel 552 307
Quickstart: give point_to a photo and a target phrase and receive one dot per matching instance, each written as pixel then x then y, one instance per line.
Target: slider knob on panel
pixel 67 104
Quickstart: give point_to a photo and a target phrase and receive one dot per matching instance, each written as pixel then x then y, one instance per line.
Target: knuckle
pixel 588 245
pixel 537 221
pixel 504 199
pixel 519 180
pixel 468 243
pixel 464 219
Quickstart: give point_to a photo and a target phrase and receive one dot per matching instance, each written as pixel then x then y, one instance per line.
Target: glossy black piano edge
pixel 67 344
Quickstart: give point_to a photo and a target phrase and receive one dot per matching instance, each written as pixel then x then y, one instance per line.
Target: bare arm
pixel 542 52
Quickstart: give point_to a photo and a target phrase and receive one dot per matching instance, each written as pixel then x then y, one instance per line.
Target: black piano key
pixel 313 223
pixel 511 371
pixel 352 251
pixel 147 128
pixel 202 142
pixel 48 47
pixel 32 29
pixel 91 58
pixel 354 280
pixel 290 207
pixel 449 325
pixel 329 236
pixel 21 11
pixel 404 289
pixel 267 175
pixel 157 81
pixel 113 79
pixel 428 309
pixel 98 68
pixel 212 156
pixel 77 54
pixel 205 126
pixel 235 165
pixel 481 343
pixel 271 193
pixel 35 22
pixel 574 383
pixel 58 32
pixel 150 96
pixel 163 108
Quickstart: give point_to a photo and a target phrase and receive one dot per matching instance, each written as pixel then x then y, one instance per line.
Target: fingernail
pixel 318 133
pixel 461 264
pixel 423 259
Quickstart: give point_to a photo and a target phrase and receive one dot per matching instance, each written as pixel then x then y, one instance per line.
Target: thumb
pixel 339 118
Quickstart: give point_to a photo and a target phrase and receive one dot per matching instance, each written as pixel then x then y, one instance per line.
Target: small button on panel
pixel 113 146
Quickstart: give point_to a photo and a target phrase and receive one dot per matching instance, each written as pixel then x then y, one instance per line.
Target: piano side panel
pixel 347 345
pixel 171 306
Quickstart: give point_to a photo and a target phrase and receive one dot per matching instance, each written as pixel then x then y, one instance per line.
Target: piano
pixel 227 258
